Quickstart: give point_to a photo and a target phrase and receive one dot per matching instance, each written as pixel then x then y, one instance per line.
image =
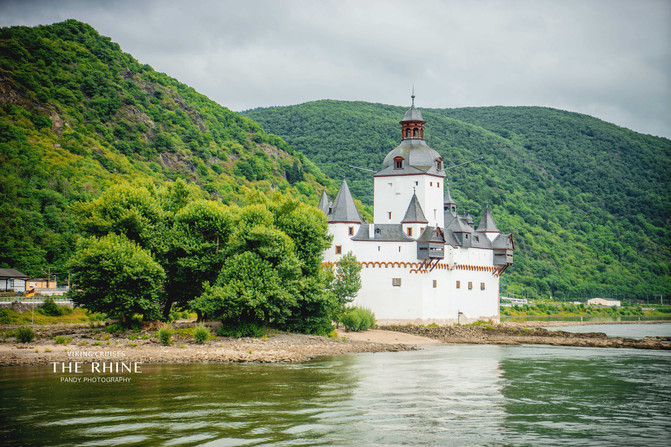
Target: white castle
pixel 421 262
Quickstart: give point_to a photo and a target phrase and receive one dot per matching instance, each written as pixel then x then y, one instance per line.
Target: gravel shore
pixel 520 333
pixel 85 345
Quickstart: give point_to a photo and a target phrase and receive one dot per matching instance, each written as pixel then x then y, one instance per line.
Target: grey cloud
pixel 607 58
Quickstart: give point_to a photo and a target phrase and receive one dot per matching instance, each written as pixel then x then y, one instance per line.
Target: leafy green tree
pixel 347 279
pixel 115 275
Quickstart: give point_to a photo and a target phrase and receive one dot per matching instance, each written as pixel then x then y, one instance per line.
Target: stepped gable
pixel 344 209
pixel 414 214
pixel 324 204
pixel 382 232
pixel 487 224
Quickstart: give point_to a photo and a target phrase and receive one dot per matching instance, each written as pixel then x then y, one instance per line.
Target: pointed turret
pixel 343 209
pixel 414 214
pixel 487 224
pixel 412 126
pixel 449 203
pixel 324 203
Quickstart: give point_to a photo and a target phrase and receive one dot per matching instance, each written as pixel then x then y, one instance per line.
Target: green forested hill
pixel 588 202
pixel 77 115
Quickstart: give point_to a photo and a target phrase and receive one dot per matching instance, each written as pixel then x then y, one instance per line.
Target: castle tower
pixel 413 168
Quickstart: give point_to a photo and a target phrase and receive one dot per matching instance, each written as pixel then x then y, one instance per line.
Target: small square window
pixel 338 249
pixel 396 282
pixel 482 286
pixel 421 230
pixel 389 213
pixel 350 231
pixel 438 183
pixel 435 283
pixel 430 183
pixel 470 285
pixel 458 284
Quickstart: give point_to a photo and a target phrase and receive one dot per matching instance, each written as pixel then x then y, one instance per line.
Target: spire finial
pixel 413 95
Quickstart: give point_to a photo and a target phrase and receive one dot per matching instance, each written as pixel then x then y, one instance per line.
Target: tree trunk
pixel 200 316
pixel 166 310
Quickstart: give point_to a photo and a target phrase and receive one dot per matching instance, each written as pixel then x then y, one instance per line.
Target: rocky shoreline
pixel 517 334
pixel 85 345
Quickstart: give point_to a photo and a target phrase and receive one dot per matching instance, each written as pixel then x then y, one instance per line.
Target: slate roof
pixel 503 242
pixel 412 114
pixel 11 273
pixel 324 203
pixel 418 158
pixel 382 232
pixel 343 209
pixel 414 214
pixel 431 234
pixel 459 225
pixel 450 238
pixel 487 224
pixel 448 197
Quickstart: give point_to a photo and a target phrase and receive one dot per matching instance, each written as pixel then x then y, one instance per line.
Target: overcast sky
pixel 606 58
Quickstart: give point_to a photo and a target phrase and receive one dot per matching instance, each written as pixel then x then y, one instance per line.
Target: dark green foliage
pixel 83 116
pixel 588 203
pixel 4 316
pixel 117 276
pixel 358 319
pixel 241 330
pixel 165 334
pixel 24 334
pixel 201 334
pixel 50 308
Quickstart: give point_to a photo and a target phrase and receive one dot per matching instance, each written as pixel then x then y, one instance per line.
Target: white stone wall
pixel 393 194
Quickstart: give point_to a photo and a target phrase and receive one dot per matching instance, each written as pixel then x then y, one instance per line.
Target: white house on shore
pixel 421 262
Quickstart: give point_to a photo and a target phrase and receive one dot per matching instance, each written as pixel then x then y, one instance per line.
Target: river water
pixel 441 395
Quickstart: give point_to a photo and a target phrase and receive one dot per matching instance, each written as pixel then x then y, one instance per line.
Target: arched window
pixel 415 132
pixel 407 133
pixel 439 164
pixel 398 162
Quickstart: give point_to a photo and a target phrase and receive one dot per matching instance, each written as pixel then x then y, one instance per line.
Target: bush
pixel 201 334
pixel 165 334
pixel 24 334
pixel 241 330
pixel 5 318
pixel 358 319
pixel 50 308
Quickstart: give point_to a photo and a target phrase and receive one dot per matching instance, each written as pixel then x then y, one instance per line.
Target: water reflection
pixel 443 395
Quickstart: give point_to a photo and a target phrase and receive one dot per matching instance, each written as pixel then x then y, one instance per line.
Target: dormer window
pixel 439 164
pixel 398 162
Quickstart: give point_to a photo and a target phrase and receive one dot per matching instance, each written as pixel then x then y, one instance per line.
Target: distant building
pixel 604 302
pixel 421 261
pixel 516 300
pixel 41 283
pixel 12 280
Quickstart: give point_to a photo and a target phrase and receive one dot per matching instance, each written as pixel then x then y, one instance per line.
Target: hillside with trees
pixel 78 115
pixel 588 202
